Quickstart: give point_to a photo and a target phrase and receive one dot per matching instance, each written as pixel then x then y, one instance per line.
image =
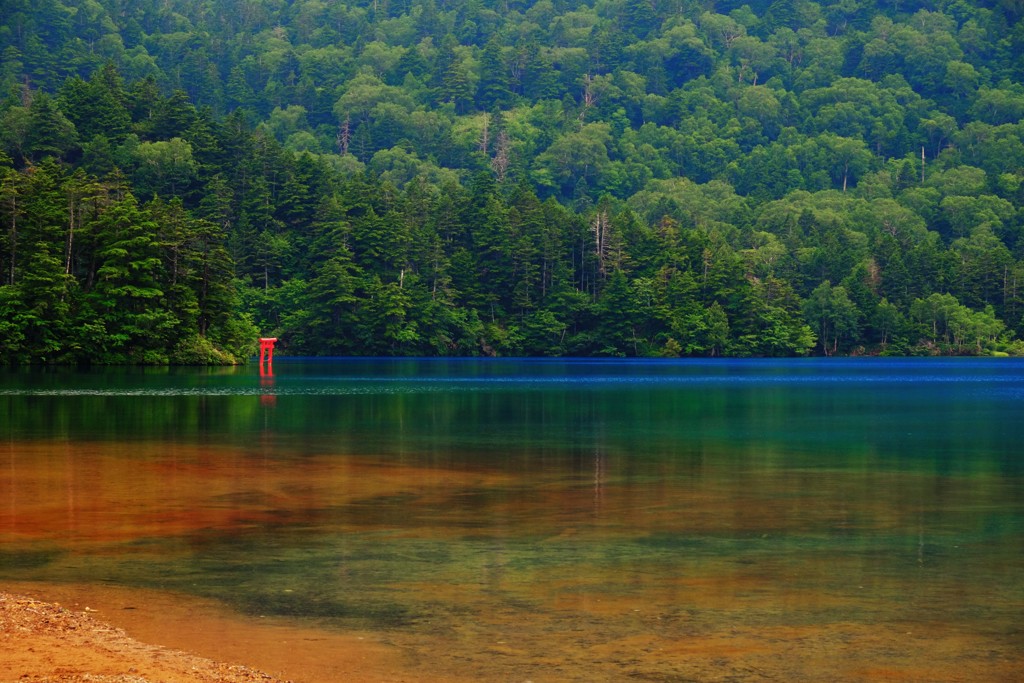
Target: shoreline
pixel 66 633
pixel 44 641
pixel 52 633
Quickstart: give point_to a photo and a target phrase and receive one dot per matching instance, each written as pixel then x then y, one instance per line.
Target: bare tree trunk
pixel 599 226
pixel 501 160
pixel 344 136
pixel 70 242
pixel 589 99
pixel 485 135
pixel 14 237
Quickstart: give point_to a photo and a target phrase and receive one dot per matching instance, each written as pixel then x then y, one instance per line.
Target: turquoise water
pixel 579 507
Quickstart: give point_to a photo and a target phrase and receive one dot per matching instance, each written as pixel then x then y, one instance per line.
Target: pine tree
pixel 96 107
pixel 50 133
pixel 128 298
pixel 493 89
pixel 172 117
pixel 43 292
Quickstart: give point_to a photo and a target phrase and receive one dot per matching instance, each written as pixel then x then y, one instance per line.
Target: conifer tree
pixel 127 299
pixel 49 133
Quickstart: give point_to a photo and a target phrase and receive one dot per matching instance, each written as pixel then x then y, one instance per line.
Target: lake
pixel 548 520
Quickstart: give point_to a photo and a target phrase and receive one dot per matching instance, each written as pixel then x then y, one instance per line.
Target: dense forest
pixel 506 177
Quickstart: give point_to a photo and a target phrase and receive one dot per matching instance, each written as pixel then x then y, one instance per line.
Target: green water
pixel 580 507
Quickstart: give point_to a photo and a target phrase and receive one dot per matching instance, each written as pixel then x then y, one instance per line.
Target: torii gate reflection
pixel 267 370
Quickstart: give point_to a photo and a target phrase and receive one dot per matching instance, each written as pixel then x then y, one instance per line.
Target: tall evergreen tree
pixel 127 299
pixel 49 132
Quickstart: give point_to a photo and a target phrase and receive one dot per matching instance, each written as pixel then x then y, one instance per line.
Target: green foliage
pixel 92 276
pixel 632 178
pixel 197 350
pixel 834 316
pixel 955 327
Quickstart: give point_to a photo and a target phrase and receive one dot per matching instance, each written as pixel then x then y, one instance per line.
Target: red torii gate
pixel 267 352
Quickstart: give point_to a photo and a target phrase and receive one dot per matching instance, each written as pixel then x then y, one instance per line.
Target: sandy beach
pixel 43 641
pixel 53 633
pixel 100 634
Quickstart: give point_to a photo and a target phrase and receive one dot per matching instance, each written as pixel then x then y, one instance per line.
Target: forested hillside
pixel 474 177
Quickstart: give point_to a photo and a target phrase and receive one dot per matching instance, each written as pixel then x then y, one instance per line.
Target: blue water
pixel 419 496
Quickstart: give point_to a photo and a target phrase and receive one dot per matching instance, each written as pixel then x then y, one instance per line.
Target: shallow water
pixel 550 520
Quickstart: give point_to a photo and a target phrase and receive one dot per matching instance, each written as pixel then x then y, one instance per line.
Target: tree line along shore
pixel 615 178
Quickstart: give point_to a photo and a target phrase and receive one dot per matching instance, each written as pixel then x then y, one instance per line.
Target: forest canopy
pixel 484 177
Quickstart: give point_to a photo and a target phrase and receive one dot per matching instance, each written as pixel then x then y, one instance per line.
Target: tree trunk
pixel 14 237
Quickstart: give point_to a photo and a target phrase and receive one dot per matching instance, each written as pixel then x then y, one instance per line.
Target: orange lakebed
pixel 724 621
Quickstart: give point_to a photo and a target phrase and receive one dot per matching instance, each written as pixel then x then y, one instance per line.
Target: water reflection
pixel 559 523
pixel 268 397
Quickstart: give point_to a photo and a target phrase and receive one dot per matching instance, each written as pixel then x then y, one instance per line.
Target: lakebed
pixel 161 637
pixel 108 634
pixel 518 520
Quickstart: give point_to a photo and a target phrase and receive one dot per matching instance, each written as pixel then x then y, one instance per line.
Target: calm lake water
pixel 551 520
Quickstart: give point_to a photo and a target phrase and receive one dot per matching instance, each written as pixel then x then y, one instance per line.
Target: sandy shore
pixel 92 633
pixel 43 641
pixel 61 633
